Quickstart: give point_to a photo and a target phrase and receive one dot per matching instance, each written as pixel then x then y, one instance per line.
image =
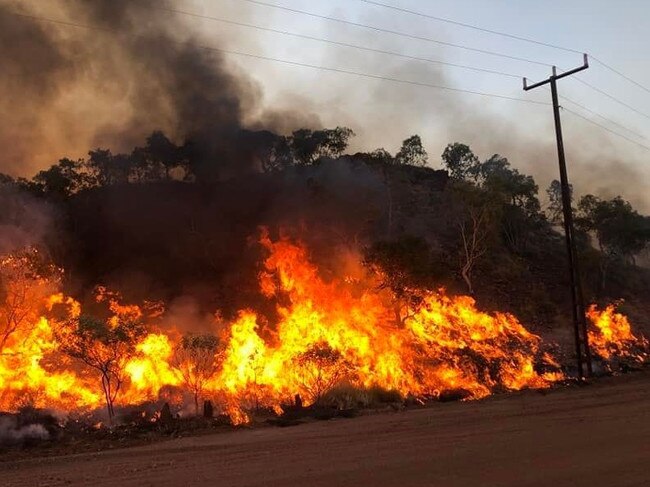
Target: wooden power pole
pixel 583 353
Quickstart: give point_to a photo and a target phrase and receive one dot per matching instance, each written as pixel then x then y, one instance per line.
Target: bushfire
pixel 329 332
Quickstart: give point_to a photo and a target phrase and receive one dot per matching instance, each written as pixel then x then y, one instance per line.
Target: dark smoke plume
pixel 139 68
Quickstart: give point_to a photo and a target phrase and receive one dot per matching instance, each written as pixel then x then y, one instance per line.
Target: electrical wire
pixel 607 129
pixel 338 43
pixel 611 97
pixel 306 65
pixel 361 74
pixel 396 33
pixel 470 26
pixel 599 115
pixel 505 34
pixel 628 78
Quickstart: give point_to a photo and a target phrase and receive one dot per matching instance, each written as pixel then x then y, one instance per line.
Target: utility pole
pixel 583 353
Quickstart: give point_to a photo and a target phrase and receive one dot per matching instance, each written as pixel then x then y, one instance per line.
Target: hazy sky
pixel 96 94
pixel 384 113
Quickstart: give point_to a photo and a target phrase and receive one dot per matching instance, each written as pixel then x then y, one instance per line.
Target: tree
pixel 517 189
pixel 280 156
pixel 103 345
pixel 108 169
pixel 460 161
pixel 195 359
pixel 25 284
pixel 412 153
pixel 402 266
pixel 310 145
pixel 555 205
pixel 156 160
pixel 520 207
pixel 479 211
pixel 5 179
pixel 63 179
pixel 321 367
pixel 621 232
pixel 381 155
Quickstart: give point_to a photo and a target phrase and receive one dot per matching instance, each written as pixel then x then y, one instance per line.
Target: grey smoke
pixel 138 69
pixel 11 434
pixel 24 220
pixel 74 89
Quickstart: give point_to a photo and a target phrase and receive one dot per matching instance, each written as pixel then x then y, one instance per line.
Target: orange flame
pixel 611 335
pixel 339 330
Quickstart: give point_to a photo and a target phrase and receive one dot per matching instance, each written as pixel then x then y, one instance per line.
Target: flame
pixel 611 335
pixel 328 331
pixel 150 370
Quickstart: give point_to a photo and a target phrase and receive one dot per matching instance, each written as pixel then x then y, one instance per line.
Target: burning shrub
pixel 195 360
pixel 25 284
pixel 334 339
pixel 611 337
pixel 104 346
pixel 320 368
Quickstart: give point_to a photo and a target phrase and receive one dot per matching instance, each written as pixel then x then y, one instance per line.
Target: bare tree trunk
pixel 106 386
pixel 473 244
pixel 466 273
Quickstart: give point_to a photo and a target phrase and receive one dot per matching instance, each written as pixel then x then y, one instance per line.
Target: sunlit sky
pixel 384 113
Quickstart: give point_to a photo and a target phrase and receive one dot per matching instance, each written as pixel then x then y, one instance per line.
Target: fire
pixel 611 335
pixel 329 330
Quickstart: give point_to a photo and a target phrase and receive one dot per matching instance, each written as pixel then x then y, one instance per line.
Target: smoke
pixel 524 133
pixel 142 68
pixel 138 69
pixel 24 221
pixel 11 433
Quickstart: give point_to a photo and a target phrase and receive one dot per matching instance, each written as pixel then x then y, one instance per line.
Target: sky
pixel 384 113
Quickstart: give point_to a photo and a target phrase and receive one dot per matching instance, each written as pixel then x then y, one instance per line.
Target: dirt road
pixel 597 435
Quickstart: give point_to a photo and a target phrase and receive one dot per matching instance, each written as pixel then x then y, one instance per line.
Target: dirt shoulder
pixel 591 435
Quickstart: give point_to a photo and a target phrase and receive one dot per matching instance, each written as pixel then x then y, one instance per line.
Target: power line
pixel 306 65
pixel 504 34
pixel 607 129
pixel 611 97
pixel 428 39
pixel 620 74
pixel 348 72
pixel 593 112
pixel 338 43
pixel 396 33
pixel 393 53
pixel 470 26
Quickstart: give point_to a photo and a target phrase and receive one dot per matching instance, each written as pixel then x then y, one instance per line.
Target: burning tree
pixel 402 266
pixel 23 291
pixel 104 345
pixel 195 359
pixel 320 368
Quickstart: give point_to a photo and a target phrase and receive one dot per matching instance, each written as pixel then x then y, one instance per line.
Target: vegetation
pixel 478 227
pixel 195 359
pixel 103 345
pixel 322 368
pixel 24 281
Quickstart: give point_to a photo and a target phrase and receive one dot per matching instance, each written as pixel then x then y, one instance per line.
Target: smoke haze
pixel 142 68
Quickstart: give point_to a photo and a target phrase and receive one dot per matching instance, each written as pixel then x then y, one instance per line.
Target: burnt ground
pixel 592 435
